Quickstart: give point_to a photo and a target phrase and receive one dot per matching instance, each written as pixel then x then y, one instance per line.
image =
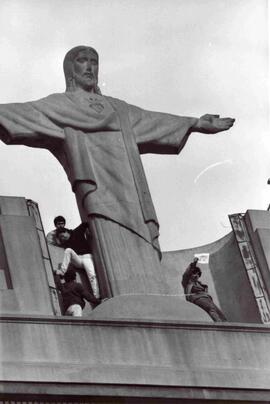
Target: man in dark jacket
pixel 197 292
pixel 79 239
pixel 78 252
pixel 74 295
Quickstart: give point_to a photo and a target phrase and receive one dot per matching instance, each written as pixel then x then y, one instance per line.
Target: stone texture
pixel 138 353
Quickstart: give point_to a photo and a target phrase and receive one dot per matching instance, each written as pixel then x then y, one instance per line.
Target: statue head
pixel 81 69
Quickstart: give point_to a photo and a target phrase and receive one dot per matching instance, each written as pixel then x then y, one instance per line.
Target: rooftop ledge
pixel 125 322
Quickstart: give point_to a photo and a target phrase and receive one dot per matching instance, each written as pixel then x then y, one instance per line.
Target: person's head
pixel 59 222
pixel 70 275
pixel 63 235
pixel 196 274
pixel 81 69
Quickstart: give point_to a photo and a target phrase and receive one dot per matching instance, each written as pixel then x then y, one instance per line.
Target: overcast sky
pixel 186 57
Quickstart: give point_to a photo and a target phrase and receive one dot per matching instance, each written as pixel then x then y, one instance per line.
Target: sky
pixel 185 57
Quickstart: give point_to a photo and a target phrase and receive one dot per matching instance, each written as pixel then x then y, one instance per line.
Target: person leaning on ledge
pixel 197 292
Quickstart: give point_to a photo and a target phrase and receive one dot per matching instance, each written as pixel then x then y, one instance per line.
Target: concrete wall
pixel 232 284
pixel 77 353
pixel 262 250
pixel 258 224
pixel 26 290
pixel 29 293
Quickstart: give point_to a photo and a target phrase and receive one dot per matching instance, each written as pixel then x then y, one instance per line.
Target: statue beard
pixel 76 82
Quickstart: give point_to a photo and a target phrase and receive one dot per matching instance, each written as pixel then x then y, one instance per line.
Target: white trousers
pixel 74 310
pixel 81 261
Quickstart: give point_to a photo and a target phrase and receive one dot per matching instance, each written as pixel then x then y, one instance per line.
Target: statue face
pixel 85 70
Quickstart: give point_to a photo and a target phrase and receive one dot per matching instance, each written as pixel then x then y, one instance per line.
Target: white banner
pixel 203 258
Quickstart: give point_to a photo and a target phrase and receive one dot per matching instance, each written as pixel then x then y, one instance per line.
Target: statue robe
pixel 97 140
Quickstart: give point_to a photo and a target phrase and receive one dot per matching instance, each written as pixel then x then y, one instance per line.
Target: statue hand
pixel 213 124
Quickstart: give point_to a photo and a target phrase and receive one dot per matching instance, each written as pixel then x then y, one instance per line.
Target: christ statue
pixel 98 141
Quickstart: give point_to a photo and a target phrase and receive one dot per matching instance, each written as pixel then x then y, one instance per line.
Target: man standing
pixel 98 139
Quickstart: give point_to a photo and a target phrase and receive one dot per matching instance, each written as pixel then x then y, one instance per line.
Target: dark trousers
pixel 207 304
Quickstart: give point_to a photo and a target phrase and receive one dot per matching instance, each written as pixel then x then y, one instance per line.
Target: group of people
pixel 78 254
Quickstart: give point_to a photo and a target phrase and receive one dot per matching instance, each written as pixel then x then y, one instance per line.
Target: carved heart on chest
pixel 97 106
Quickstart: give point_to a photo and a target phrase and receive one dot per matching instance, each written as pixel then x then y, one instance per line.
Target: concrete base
pixel 56 393
pixel 135 359
pixel 149 307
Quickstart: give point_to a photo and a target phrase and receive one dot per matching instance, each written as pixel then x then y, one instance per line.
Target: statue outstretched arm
pixel 24 123
pixel 163 133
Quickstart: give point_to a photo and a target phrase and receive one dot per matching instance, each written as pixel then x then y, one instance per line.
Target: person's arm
pixel 163 133
pixel 188 272
pixel 204 286
pixel 89 296
pixel 50 237
pixel 188 290
pixel 82 227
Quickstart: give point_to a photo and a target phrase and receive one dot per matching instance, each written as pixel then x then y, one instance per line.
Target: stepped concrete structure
pixel 135 347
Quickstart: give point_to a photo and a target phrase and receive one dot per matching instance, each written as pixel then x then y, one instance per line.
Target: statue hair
pixel 68 64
